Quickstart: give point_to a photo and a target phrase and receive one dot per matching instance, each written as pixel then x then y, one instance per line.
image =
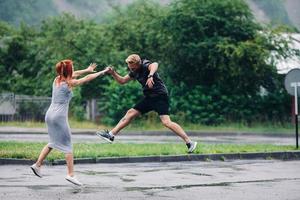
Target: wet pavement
pixel 255 179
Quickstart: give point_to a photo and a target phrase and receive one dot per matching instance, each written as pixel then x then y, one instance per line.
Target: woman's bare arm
pixel 89 69
pixel 88 78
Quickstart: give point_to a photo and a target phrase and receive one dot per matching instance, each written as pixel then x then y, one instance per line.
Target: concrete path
pixel 230 180
pixel 164 138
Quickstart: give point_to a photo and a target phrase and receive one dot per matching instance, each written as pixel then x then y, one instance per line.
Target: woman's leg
pixel 45 151
pixel 70 163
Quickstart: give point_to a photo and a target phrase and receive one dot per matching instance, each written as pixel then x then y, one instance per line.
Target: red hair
pixel 64 69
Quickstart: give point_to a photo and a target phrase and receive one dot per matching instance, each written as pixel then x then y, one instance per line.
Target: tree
pixel 217 43
pixel 136 28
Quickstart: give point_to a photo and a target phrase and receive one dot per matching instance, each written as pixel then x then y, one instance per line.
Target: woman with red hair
pixel 57 115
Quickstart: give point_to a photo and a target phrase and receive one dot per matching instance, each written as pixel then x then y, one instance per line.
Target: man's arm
pixel 120 79
pixel 152 68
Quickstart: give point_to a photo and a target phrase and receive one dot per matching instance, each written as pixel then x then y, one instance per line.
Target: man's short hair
pixel 133 59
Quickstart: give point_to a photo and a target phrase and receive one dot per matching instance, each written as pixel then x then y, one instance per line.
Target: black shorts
pixel 159 104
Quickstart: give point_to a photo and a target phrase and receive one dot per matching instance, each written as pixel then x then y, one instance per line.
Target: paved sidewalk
pixel 133 138
pixel 24 130
pixel 88 135
pixel 230 180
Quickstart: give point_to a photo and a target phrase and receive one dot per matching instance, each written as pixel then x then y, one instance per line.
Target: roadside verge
pixel 289 155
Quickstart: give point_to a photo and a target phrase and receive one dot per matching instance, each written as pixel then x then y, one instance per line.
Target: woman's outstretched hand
pixel 92 67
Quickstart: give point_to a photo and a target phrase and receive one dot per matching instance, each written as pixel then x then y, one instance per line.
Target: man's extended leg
pixel 176 128
pixel 129 116
pixel 165 119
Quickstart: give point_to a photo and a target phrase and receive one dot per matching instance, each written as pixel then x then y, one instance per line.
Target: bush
pixel 211 106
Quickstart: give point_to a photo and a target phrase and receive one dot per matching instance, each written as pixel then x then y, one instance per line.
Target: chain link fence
pixel 23 107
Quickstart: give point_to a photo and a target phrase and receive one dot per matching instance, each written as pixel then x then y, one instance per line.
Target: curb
pixel 289 155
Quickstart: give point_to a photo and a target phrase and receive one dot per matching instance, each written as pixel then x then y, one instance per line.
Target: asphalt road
pixel 247 180
pixel 144 138
pixel 88 135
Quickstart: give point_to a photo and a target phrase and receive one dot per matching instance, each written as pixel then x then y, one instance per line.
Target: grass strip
pixel 148 125
pixel 31 150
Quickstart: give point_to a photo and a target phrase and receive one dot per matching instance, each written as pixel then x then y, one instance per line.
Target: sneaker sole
pixel 74 182
pixel 191 151
pixel 104 138
pixel 35 172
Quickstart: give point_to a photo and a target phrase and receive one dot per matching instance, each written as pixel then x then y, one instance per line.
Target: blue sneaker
pixel 104 134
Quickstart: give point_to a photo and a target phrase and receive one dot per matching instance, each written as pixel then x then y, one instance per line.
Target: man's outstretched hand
pixel 110 70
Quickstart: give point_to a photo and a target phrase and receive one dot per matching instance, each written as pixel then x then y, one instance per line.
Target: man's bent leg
pixel 109 136
pixel 176 128
pixel 129 116
pixel 165 119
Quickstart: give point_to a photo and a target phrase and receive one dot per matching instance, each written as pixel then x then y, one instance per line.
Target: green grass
pixel 227 127
pixel 34 124
pixel 146 125
pixel 30 150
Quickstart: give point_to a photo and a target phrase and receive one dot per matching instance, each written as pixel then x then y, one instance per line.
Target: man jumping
pixel 155 98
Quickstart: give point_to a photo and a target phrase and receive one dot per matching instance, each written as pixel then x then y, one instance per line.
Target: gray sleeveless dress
pixel 57 118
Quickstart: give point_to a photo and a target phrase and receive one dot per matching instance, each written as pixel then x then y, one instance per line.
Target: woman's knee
pixel 47 147
pixel 69 155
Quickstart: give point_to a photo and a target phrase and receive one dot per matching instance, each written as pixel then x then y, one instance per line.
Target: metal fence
pixel 23 107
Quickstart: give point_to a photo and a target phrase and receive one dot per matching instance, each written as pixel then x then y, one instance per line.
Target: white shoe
pixel 73 180
pixel 191 147
pixel 36 170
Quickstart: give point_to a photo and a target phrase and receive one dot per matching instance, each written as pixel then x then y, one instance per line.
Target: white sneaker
pixel 191 146
pixel 36 170
pixel 73 180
